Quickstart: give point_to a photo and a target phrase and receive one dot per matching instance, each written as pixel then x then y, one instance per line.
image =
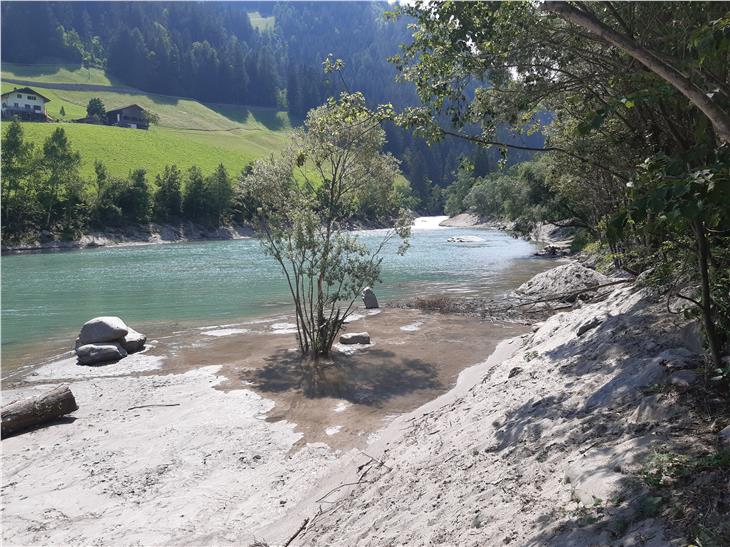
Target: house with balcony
pixel 24 104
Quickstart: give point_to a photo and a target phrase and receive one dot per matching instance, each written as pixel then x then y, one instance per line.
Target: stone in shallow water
pixel 369 299
pixel 355 338
pixel 102 329
pixel 92 354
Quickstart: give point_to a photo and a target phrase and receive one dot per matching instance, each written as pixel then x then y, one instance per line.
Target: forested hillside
pixel 212 52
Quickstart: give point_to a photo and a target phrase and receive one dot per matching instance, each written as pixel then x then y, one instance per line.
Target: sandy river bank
pixel 213 433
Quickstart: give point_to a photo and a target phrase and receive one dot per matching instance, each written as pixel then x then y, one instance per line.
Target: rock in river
pixel 102 329
pixel 92 354
pixel 369 299
pixel 355 338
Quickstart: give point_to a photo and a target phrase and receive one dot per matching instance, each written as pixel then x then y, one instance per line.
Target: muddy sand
pixel 212 433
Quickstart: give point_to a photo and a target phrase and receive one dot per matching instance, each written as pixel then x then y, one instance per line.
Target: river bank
pixel 591 430
pixel 149 234
pixel 218 433
pixel 146 234
pixel 557 239
pixel 543 443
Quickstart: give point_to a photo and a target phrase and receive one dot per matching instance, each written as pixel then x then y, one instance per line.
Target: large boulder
pixel 565 279
pixel 102 329
pixel 133 341
pixel 355 338
pixel 369 299
pixel 92 354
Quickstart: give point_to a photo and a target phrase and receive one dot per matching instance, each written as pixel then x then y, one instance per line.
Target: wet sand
pixel 414 357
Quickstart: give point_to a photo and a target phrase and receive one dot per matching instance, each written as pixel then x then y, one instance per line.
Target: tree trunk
pixel 25 413
pixel 653 61
pixel 703 259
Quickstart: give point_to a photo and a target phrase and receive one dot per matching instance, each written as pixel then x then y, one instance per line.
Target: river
pixel 46 297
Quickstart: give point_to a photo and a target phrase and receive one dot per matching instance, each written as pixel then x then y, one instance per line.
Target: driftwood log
pixel 25 413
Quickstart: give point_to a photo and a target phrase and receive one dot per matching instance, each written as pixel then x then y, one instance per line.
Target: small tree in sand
pixel 305 197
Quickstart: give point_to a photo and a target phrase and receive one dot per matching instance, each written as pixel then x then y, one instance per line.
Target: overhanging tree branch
pixel 487 142
pixel 651 60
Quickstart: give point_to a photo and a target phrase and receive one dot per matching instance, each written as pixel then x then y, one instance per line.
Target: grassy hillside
pixel 65 74
pixel 189 132
pixel 125 149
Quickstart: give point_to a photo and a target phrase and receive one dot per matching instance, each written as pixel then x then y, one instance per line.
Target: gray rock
pixel 561 280
pixel 355 338
pixel 369 299
pixel 133 341
pixel 679 358
pixel 692 337
pixel 92 354
pixel 653 409
pixel 683 378
pixel 590 324
pixel 102 329
pixel 724 437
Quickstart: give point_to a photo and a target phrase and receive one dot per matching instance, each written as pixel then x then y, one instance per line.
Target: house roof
pixel 124 108
pixel 26 90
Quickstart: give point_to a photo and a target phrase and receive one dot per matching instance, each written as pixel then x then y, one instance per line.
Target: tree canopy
pixel 633 150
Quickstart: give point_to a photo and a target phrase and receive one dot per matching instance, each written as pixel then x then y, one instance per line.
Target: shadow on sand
pixel 367 378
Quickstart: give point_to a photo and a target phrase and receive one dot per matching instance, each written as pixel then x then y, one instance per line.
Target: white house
pixel 24 103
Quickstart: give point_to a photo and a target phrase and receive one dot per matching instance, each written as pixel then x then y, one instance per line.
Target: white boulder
pixel 102 329
pixel 562 280
pixel 92 354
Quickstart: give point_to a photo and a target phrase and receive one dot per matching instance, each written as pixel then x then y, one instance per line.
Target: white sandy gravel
pixel 201 472
pixel 519 452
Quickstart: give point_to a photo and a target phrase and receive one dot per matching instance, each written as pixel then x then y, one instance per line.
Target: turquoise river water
pixel 46 297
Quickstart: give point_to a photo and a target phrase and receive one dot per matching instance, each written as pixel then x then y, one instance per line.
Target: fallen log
pixel 25 413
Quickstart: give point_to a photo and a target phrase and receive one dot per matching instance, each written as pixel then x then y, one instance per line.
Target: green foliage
pixel 521 192
pixel 680 219
pixel 95 110
pixel 194 200
pixel 458 190
pixel 306 197
pixel 219 195
pixel 61 190
pixel 665 467
pixel 608 114
pixel 19 207
pixel 168 199
pixel 135 200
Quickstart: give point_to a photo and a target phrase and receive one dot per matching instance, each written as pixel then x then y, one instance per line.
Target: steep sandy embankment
pixel 542 448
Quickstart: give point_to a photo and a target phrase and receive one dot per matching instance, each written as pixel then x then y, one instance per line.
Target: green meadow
pixel 57 74
pixel 189 132
pixel 125 149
